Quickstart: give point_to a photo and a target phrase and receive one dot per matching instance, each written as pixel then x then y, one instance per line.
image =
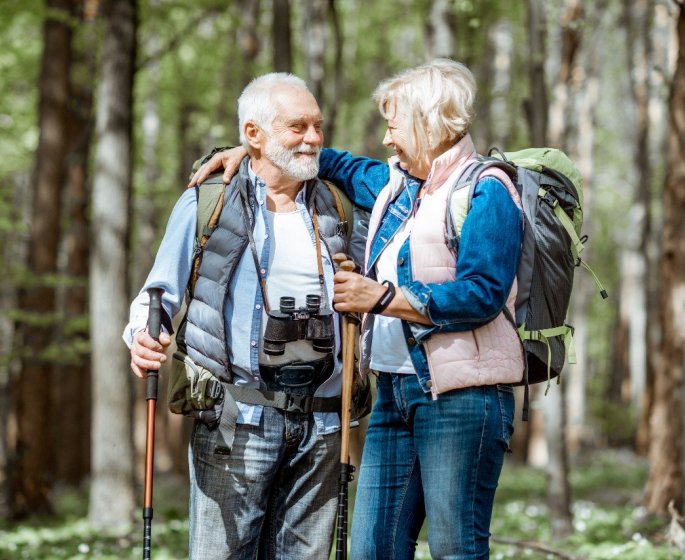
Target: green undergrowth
pixel 609 522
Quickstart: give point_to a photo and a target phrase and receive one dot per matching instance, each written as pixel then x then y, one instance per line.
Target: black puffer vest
pixel 205 331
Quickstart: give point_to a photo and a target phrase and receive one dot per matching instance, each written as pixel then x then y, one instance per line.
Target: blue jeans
pixel 276 493
pixel 436 460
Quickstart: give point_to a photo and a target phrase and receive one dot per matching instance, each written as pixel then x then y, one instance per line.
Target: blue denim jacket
pixel 489 250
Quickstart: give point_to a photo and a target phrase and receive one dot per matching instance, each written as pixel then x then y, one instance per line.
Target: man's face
pixel 296 137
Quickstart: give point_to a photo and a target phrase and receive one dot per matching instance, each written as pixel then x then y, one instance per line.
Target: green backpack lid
pixel 536 159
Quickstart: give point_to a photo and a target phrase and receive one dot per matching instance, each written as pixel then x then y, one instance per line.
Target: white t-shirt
pixel 389 350
pixel 294 272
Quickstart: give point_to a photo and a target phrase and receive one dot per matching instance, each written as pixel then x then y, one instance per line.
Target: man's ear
pixel 254 135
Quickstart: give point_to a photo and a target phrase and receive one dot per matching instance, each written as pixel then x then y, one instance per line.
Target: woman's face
pixel 397 138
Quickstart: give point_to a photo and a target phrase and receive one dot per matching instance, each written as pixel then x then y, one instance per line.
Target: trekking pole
pixel 154 326
pixel 348 336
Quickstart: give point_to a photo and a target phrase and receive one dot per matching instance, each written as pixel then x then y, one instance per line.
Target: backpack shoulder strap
pixel 343 206
pixel 467 180
pixel 210 203
pixel 454 220
pixel 204 159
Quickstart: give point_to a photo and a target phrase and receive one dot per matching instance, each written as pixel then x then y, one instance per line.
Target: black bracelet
pixel 385 299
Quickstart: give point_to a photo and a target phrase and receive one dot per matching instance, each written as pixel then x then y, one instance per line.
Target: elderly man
pixel 260 320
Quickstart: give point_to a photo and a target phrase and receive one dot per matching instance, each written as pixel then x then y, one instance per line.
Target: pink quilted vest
pixel 485 356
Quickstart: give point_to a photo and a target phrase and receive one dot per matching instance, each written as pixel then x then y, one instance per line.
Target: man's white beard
pixel 287 160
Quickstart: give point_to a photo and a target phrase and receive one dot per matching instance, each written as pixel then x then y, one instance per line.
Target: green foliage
pixel 20 29
pixel 605 528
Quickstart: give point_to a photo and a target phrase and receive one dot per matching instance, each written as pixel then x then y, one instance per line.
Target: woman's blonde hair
pixel 438 98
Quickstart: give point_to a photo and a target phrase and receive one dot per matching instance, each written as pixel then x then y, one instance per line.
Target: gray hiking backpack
pixel 550 187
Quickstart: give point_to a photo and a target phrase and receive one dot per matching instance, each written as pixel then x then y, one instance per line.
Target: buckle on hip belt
pixel 301 375
pixel 298 403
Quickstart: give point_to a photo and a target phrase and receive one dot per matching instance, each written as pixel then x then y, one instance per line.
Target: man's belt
pixel 284 401
pixel 297 378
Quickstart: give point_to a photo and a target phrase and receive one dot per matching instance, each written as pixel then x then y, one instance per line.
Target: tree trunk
pixel 248 38
pixel 663 41
pixel 70 410
pixel 559 133
pixel 314 46
pixel 145 207
pixel 440 31
pixel 13 249
pixel 536 106
pixel 639 23
pixel 571 24
pixel 583 151
pixel 492 107
pixel 333 99
pixel 111 496
pixel 281 36
pixel 32 475
pixel 558 488
pixel 665 482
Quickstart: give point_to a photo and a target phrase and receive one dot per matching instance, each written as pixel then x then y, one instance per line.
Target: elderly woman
pixel 435 332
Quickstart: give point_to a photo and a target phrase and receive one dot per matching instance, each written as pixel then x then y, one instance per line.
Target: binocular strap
pixel 255 257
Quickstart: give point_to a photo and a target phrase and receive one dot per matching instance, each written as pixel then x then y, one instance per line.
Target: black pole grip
pixel 341 534
pixel 147 533
pixel 154 321
pixel 154 327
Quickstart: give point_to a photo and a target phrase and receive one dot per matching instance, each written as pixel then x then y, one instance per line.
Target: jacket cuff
pixel 418 296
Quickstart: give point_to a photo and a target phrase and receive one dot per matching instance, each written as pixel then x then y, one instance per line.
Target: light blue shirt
pixel 171 272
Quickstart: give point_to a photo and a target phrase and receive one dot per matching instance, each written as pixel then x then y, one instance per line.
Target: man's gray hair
pixel 256 104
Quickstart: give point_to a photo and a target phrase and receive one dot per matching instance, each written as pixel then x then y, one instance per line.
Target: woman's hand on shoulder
pixel 228 160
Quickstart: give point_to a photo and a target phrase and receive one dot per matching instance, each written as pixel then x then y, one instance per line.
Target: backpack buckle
pixel 298 403
pixel 550 200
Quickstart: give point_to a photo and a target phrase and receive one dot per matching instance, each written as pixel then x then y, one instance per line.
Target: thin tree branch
pixel 532 545
pixel 178 38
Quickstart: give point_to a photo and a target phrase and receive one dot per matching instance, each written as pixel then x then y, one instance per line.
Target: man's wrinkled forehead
pixel 292 102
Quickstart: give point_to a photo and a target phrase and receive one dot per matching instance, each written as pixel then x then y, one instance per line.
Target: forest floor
pixel 608 520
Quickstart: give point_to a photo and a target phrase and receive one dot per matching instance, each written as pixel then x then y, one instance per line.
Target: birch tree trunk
pixel 111 495
pixel 577 374
pixel 30 392
pixel 639 23
pixel 631 364
pixel 554 404
pixel 665 482
pixel 440 30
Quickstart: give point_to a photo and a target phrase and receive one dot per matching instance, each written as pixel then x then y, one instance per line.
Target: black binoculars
pixel 304 323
